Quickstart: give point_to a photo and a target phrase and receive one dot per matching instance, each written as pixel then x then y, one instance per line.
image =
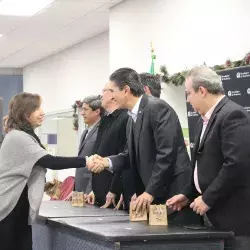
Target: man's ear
pixel 126 89
pixel 203 91
pixel 98 112
pixel 147 90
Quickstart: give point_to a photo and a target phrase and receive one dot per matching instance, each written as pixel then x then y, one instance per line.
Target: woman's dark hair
pixel 21 106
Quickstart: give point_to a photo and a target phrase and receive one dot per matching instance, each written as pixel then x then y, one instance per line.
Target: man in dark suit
pixel 111 139
pixel 220 187
pixel 152 87
pixel 91 113
pixel 154 137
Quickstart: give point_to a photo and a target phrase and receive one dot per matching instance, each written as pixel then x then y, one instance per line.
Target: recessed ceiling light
pixel 23 8
pixel 1 35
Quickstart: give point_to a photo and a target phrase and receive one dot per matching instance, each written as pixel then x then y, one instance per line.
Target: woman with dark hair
pixel 23 163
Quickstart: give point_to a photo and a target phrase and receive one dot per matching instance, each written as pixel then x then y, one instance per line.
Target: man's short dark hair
pixel 129 77
pixel 153 82
pixel 94 102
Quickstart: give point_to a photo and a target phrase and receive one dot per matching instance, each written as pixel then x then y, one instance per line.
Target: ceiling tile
pixel 64 24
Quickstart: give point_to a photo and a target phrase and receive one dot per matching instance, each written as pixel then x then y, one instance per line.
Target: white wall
pixel 71 74
pixel 185 33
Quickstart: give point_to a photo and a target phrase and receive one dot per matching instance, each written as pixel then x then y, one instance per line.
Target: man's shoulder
pixel 231 107
pixel 155 101
pixel 122 112
pixel 232 111
pixel 156 104
pixel 123 115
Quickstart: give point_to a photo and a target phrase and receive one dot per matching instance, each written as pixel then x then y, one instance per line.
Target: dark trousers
pixel 15 232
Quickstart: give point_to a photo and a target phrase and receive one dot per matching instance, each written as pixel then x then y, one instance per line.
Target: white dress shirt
pixel 89 128
pixel 134 112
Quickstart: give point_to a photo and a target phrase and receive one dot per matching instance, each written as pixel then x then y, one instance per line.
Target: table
pixel 63 209
pixel 95 228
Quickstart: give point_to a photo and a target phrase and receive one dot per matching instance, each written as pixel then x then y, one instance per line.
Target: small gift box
pixel 158 215
pixel 136 217
pixel 78 199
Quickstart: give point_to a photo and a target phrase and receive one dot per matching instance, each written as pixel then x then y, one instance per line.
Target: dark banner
pixel 236 83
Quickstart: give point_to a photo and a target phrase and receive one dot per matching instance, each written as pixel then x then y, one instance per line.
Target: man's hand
pixel 110 199
pixel 96 163
pixel 85 197
pixel 133 198
pixel 142 203
pixel 91 198
pixel 100 164
pixel 120 203
pixel 177 202
pixel 199 206
pixel 93 161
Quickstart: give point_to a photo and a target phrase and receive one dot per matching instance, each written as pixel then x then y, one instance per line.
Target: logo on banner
pixel 243 74
pixel 225 77
pixel 248 91
pixel 247 109
pixel 233 93
pixel 192 113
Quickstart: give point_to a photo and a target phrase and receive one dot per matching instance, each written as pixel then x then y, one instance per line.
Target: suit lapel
pixel 130 139
pixel 93 130
pixel 197 138
pixel 83 138
pixel 138 123
pixel 212 119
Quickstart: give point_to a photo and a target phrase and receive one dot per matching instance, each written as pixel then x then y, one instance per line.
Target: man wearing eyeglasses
pixel 111 139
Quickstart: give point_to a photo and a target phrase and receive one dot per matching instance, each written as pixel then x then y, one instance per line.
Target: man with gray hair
pixel 220 187
pixel 91 112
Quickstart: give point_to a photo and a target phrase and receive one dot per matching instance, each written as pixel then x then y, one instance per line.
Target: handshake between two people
pixel 97 164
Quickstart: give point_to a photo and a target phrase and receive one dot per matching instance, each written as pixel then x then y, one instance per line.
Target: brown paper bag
pixel 134 217
pixel 74 201
pixel 81 200
pixel 78 199
pixel 158 215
